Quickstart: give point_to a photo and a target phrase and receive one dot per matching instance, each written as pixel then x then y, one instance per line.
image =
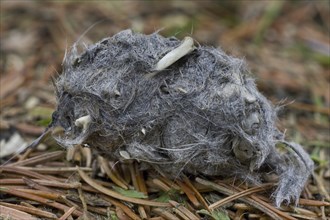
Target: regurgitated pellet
pixel 177 107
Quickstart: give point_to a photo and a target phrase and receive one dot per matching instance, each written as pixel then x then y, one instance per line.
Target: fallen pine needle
pixel 24 172
pixel 13 214
pixel 165 214
pixel 35 185
pixel 105 166
pixel 255 202
pixel 125 209
pixel 67 213
pixel 239 195
pixel 116 195
pixel 43 183
pixel 183 210
pixel 42 158
pixel 38 199
pixel 190 194
pixel 197 193
pixel 30 210
pixel 309 202
pixel 54 170
pixel 43 194
pixel 161 185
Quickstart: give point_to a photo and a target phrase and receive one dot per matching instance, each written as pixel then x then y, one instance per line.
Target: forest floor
pixel 285 44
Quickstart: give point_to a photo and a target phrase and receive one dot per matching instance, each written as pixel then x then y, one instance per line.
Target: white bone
pixel 248 97
pixel 125 154
pixel 83 122
pixel 171 57
pixel 182 90
pixel 117 92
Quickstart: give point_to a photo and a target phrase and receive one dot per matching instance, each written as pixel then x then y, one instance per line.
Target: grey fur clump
pixel 200 115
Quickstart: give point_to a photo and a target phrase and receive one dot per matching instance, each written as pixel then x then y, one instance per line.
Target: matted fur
pixel 203 115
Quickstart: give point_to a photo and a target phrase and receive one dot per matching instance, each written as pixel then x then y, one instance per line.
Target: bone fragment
pixel 186 47
pixel 125 154
pixel 83 122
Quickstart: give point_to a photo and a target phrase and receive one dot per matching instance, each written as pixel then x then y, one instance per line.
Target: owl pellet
pixel 177 107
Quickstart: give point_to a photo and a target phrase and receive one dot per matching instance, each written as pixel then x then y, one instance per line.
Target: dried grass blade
pixel 116 195
pixel 30 210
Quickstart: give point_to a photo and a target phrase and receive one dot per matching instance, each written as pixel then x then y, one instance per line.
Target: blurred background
pixel 285 44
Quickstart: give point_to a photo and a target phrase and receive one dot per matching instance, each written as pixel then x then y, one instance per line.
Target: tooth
pixel 117 92
pixel 83 122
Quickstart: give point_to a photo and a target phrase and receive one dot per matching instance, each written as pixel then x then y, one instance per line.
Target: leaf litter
pixel 310 203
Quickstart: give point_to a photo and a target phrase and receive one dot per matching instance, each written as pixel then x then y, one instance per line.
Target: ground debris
pixel 200 114
pixel 288 56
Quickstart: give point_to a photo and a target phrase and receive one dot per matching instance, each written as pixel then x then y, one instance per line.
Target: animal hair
pixel 199 115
